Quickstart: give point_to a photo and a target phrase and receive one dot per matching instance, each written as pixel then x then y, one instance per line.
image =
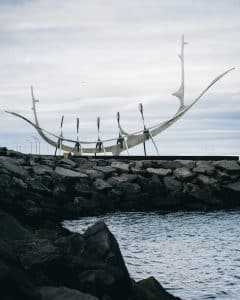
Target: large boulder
pixel 183 173
pixel 63 293
pixel 204 167
pixel 159 171
pixel 11 166
pixel 14 281
pixel 11 229
pixel 230 166
pixel 151 289
pixel 69 173
pixel 106 273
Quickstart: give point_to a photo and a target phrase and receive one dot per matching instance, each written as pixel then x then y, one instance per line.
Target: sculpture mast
pixel 180 92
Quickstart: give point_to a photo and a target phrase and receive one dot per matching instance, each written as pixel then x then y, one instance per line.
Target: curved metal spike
pixel 77 126
pixel 118 117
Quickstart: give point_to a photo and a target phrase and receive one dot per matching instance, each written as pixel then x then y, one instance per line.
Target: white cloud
pixel 89 58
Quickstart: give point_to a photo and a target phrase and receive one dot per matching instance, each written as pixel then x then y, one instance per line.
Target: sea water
pixel 193 255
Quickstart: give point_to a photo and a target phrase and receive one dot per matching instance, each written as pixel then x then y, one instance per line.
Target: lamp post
pixel 30 142
pixel 37 143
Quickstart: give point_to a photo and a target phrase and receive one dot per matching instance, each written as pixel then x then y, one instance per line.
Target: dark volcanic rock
pixel 15 283
pixel 11 165
pixel 11 229
pixel 151 289
pixel 230 167
pixel 106 272
pixel 63 293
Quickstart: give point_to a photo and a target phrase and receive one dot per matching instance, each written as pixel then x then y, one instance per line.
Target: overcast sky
pixel 94 58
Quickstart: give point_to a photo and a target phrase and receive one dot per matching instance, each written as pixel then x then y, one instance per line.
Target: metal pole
pixel 30 144
pixel 144 127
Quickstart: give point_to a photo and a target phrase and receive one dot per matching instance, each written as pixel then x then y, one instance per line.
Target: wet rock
pixel 183 173
pixel 160 171
pixel 101 185
pixel 69 173
pixel 120 166
pixel 228 166
pixel 63 293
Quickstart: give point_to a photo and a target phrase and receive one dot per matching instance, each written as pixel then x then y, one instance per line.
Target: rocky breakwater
pixel 39 189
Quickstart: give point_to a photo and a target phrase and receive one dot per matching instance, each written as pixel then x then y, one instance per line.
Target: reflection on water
pixel 193 255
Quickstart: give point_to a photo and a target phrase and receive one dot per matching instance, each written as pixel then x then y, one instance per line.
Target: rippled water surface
pixel 193 255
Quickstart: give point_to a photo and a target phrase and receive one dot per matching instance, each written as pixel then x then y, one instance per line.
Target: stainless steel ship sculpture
pixel 124 141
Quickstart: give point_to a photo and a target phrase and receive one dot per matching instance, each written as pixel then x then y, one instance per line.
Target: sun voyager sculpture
pixel 124 140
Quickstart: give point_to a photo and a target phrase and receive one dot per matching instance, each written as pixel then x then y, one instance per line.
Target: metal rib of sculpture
pixel 125 140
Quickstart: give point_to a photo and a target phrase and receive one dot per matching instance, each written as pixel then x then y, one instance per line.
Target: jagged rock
pixel 151 289
pixel 5 181
pixel 42 170
pixel 203 179
pixel 172 184
pixel 83 187
pixel 38 187
pixel 12 167
pixel 128 188
pixel 19 183
pixel 63 293
pixel 232 193
pixel 106 170
pixel 15 284
pixel 3 151
pixel 83 163
pixel 86 206
pixel 169 164
pixel 42 260
pixel 204 167
pixel 101 185
pixel 120 166
pixel 69 173
pixel 160 171
pixel 93 174
pixel 228 166
pixel 115 180
pixel 235 187
pixel 111 278
pixel 183 173
pixel 189 164
pixel 67 161
pixel 222 176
